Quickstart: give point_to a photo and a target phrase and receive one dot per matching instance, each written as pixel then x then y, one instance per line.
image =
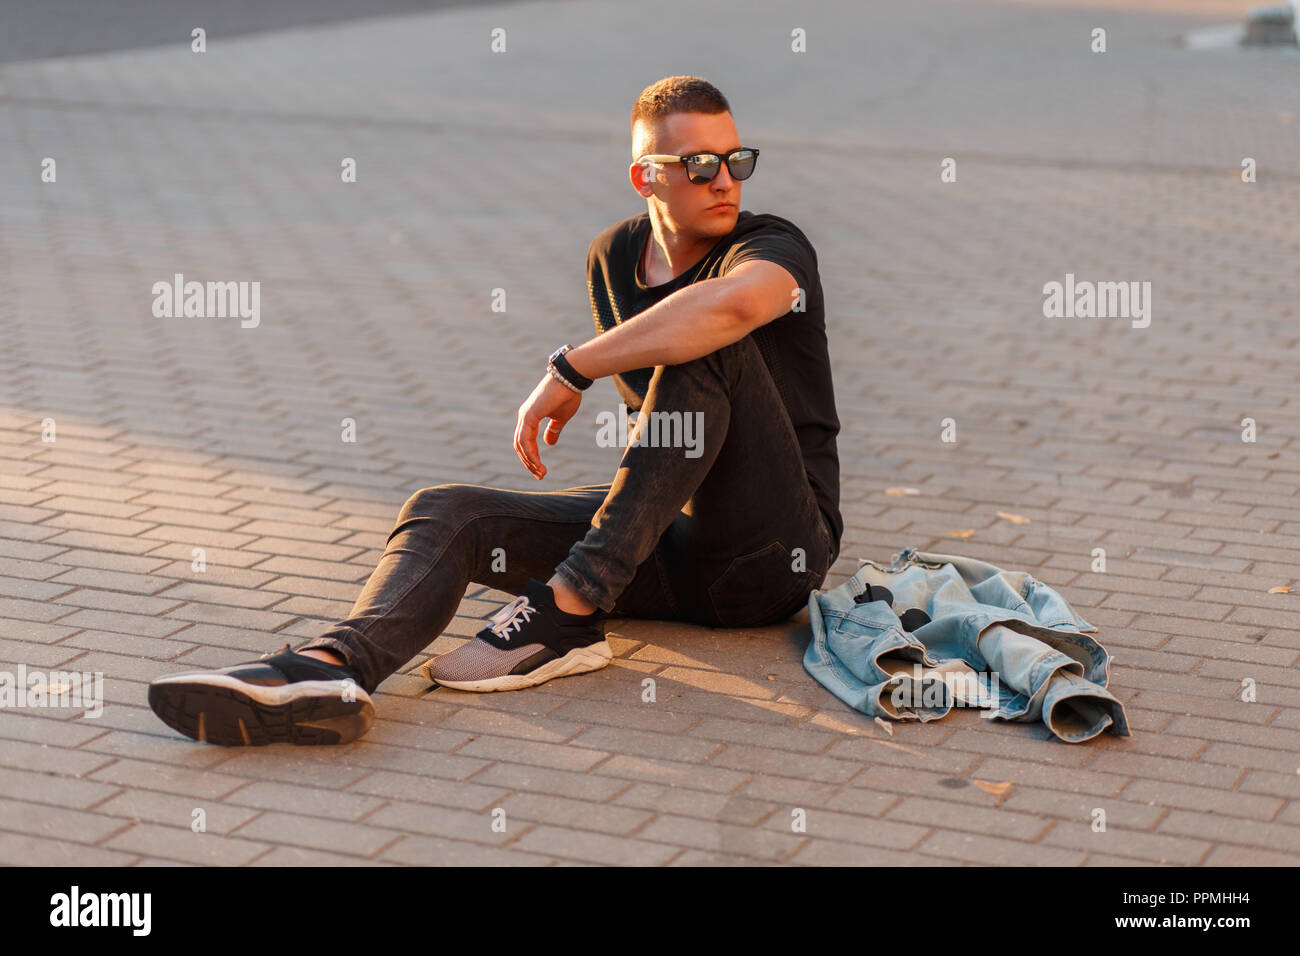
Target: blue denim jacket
pixel 908 640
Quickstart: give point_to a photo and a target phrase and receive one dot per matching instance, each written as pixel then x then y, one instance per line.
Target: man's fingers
pixel 526 446
pixel 553 432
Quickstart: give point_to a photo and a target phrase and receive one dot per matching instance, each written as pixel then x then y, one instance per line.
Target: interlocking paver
pixel 593 847
pixel 186 846
pixel 439 851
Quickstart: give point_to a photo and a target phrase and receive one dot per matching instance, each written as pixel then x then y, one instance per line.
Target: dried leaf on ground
pixel 998 790
pixel 1014 519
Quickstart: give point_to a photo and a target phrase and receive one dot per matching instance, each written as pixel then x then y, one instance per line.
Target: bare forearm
pixel 692 322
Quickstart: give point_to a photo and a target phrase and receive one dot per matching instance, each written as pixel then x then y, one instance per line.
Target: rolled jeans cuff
pixel 351 659
pixel 579 580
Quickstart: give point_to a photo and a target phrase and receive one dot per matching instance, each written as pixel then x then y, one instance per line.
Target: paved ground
pixel 479 171
pixel 70 27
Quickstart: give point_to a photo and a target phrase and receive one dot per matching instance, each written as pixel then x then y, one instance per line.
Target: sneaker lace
pixel 512 616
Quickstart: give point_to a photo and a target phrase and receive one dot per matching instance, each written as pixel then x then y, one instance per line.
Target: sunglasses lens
pixel 741 163
pixel 702 168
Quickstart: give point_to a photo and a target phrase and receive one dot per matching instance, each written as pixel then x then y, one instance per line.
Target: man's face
pixel 698 209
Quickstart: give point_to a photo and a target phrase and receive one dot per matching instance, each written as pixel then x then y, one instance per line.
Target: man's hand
pixel 550 400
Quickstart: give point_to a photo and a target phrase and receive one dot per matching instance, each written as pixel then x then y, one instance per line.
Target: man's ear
pixel 642 177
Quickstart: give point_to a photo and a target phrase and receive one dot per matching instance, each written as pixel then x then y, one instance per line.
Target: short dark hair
pixel 676 94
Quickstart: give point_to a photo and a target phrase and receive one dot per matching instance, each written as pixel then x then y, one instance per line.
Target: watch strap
pixel 570 374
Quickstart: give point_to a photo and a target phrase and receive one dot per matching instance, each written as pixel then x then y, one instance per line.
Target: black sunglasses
pixel 703 167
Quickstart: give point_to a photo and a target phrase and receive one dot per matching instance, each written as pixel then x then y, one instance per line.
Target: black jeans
pixel 722 529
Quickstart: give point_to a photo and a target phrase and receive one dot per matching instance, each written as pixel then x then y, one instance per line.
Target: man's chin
pixel 718 222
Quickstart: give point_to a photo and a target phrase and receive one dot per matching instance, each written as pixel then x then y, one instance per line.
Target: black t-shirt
pixel 793 346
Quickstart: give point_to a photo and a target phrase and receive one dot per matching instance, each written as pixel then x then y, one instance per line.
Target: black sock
pixel 330 664
pixel 565 615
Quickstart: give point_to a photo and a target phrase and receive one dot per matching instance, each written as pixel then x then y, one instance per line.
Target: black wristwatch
pixel 564 373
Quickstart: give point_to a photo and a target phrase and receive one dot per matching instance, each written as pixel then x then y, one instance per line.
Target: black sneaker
pixel 284 697
pixel 528 642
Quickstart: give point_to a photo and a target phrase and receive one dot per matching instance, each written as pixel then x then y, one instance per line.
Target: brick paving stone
pixel 418 788
pixel 647 717
pixel 298 856
pixel 317 833
pixel 840 853
pixel 313 801
pixel 43 758
pixel 48 656
pixel 1239 756
pixel 896 751
pixel 1120 812
pixel 117 601
pixel 969 818
pixel 559 756
pixel 55 790
pixel 743 756
pixel 547 728
pixel 702 703
pixel 155 748
pixel 1149 847
pixel 755 842
pixel 75 826
pixel 824 824
pixel 1235 803
pixel 1247 856
pixel 711 778
pixel 201 784
pixel 1273 836
pixel 186 846
pixel 1280 784
pixel 151 806
pixel 995 851
pixel 23 849
pixel 799 739
pixel 603 818
pixel 737 809
pixel 688 749
pixel 593 847
pixel 439 851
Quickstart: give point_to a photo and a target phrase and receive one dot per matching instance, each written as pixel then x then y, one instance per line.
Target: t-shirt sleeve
pixel 785 248
pixel 596 286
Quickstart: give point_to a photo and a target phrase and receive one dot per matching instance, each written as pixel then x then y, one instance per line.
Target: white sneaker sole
pixel 221 709
pixel 580 660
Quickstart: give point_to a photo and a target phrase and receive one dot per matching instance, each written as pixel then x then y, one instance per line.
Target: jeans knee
pixel 442 500
pixel 713 372
pixel 728 363
pixel 744 349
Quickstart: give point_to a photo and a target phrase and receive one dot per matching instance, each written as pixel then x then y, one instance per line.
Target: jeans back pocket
pixel 762 587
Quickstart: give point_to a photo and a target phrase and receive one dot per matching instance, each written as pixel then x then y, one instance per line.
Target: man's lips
pixel 720 206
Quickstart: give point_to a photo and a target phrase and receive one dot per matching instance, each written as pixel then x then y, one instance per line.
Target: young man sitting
pixel 702 312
